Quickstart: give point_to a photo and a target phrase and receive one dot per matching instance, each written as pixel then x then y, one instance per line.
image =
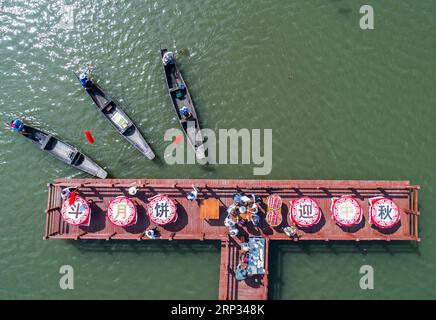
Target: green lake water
pixel 343 103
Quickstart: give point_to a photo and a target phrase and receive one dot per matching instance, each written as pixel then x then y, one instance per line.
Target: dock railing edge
pixel 47 211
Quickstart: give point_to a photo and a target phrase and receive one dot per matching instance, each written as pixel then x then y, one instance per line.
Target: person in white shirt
pixel 193 194
pixel 65 193
pixel 151 233
pixel 168 58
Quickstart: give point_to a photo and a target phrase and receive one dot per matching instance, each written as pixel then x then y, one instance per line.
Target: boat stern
pixel 200 152
pixel 101 174
pixel 149 154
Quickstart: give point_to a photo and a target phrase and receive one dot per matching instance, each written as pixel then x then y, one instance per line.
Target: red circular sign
pixel 122 212
pixel 78 213
pixel 305 212
pixel 383 212
pixel 161 209
pixel 346 211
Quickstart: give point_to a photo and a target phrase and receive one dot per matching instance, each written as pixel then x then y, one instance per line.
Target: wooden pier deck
pixel 190 226
pixel 254 288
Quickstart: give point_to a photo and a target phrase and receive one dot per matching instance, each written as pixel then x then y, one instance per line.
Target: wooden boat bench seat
pixel 107 107
pixel 178 93
pixel 74 157
pixel 46 142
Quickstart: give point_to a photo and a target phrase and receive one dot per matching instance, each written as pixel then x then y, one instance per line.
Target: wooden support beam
pixel 110 237
pixel 411 212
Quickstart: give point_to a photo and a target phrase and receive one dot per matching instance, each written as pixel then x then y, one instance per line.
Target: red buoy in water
pixel 89 137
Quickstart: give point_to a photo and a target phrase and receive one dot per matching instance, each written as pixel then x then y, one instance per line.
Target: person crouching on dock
pixel 193 195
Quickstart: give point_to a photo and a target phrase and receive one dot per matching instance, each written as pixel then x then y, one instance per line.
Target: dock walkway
pixel 190 226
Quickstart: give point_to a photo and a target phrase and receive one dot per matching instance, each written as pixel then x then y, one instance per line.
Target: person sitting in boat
pixel 84 81
pixel 185 113
pixel 17 125
pixel 168 58
pixel 181 92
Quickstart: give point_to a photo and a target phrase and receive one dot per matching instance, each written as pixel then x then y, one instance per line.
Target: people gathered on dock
pixel 251 258
pixel 244 209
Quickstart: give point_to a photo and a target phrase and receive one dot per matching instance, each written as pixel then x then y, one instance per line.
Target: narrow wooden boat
pixel 62 151
pixel 118 118
pixel 180 97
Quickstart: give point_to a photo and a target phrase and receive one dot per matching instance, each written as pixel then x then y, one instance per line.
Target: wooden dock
pixel 254 288
pixel 190 226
